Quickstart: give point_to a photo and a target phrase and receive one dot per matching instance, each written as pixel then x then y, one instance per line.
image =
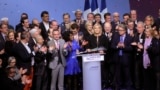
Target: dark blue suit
pixel 122 62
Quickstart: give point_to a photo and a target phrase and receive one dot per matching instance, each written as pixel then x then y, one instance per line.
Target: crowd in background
pixel 42 55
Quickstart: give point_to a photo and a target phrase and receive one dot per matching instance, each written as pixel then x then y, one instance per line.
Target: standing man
pixel 116 21
pixel 23 53
pixel 80 22
pixel 90 17
pixel 25 25
pixel 44 25
pixel 57 50
pixel 138 60
pixel 3 38
pixel 121 45
pixel 133 14
pixel 65 25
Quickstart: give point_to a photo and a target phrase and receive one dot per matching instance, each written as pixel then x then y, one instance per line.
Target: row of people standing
pixel 93 37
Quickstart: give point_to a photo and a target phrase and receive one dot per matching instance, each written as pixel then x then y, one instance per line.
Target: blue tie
pixel 121 41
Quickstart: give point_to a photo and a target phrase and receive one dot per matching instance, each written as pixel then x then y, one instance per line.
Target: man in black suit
pixel 97 18
pixel 5 20
pixel 107 17
pixel 65 25
pixel 23 15
pixel 90 17
pixel 50 35
pixel 40 66
pixel 126 17
pixel 25 25
pixel 133 15
pixel 116 21
pixel 45 24
pixel 3 38
pixel 130 28
pixel 23 52
pixel 121 44
pixel 32 42
pixel 79 20
pixel 109 64
pixel 138 53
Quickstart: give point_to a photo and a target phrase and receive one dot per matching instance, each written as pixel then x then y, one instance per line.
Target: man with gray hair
pixel 133 14
pixel 32 42
pixel 116 21
pixel 5 20
pixel 138 60
pixel 79 20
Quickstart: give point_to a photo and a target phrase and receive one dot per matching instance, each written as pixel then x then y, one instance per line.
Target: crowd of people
pixel 43 55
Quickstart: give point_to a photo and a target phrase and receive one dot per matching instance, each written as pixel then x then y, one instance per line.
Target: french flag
pixel 87 9
pixel 103 9
pixel 94 6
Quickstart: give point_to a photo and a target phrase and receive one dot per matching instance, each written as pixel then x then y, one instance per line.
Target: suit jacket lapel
pixel 25 50
pixel 1 36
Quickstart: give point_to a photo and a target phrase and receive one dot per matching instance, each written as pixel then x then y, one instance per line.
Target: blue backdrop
pixel 13 8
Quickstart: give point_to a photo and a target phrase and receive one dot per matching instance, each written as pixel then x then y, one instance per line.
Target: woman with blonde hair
pixel 151 51
pixel 154 50
pixel 89 27
pixel 9 44
pixel 97 39
pixel 98 42
pixel 149 22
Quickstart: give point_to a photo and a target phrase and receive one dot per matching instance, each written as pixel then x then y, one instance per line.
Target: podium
pixel 92 71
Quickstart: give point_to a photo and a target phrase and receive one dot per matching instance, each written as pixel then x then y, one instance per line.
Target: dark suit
pixel 138 61
pixel 21 29
pixel 44 32
pixel 148 73
pixel 2 42
pixel 31 43
pixel 109 64
pixel 22 56
pixel 82 25
pixel 18 26
pixel 40 71
pixel 63 28
pixel 114 24
pixel 122 62
pixel 2 46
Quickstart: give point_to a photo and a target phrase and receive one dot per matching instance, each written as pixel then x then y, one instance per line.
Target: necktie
pixel 57 44
pixel 5 37
pixel 120 51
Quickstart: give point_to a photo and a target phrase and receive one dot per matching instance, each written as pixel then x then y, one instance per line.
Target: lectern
pixel 92 71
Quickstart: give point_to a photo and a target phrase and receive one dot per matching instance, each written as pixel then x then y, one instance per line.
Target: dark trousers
pixel 122 70
pixel 107 73
pixel 40 82
pixel 149 79
pixel 138 72
pixel 157 80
